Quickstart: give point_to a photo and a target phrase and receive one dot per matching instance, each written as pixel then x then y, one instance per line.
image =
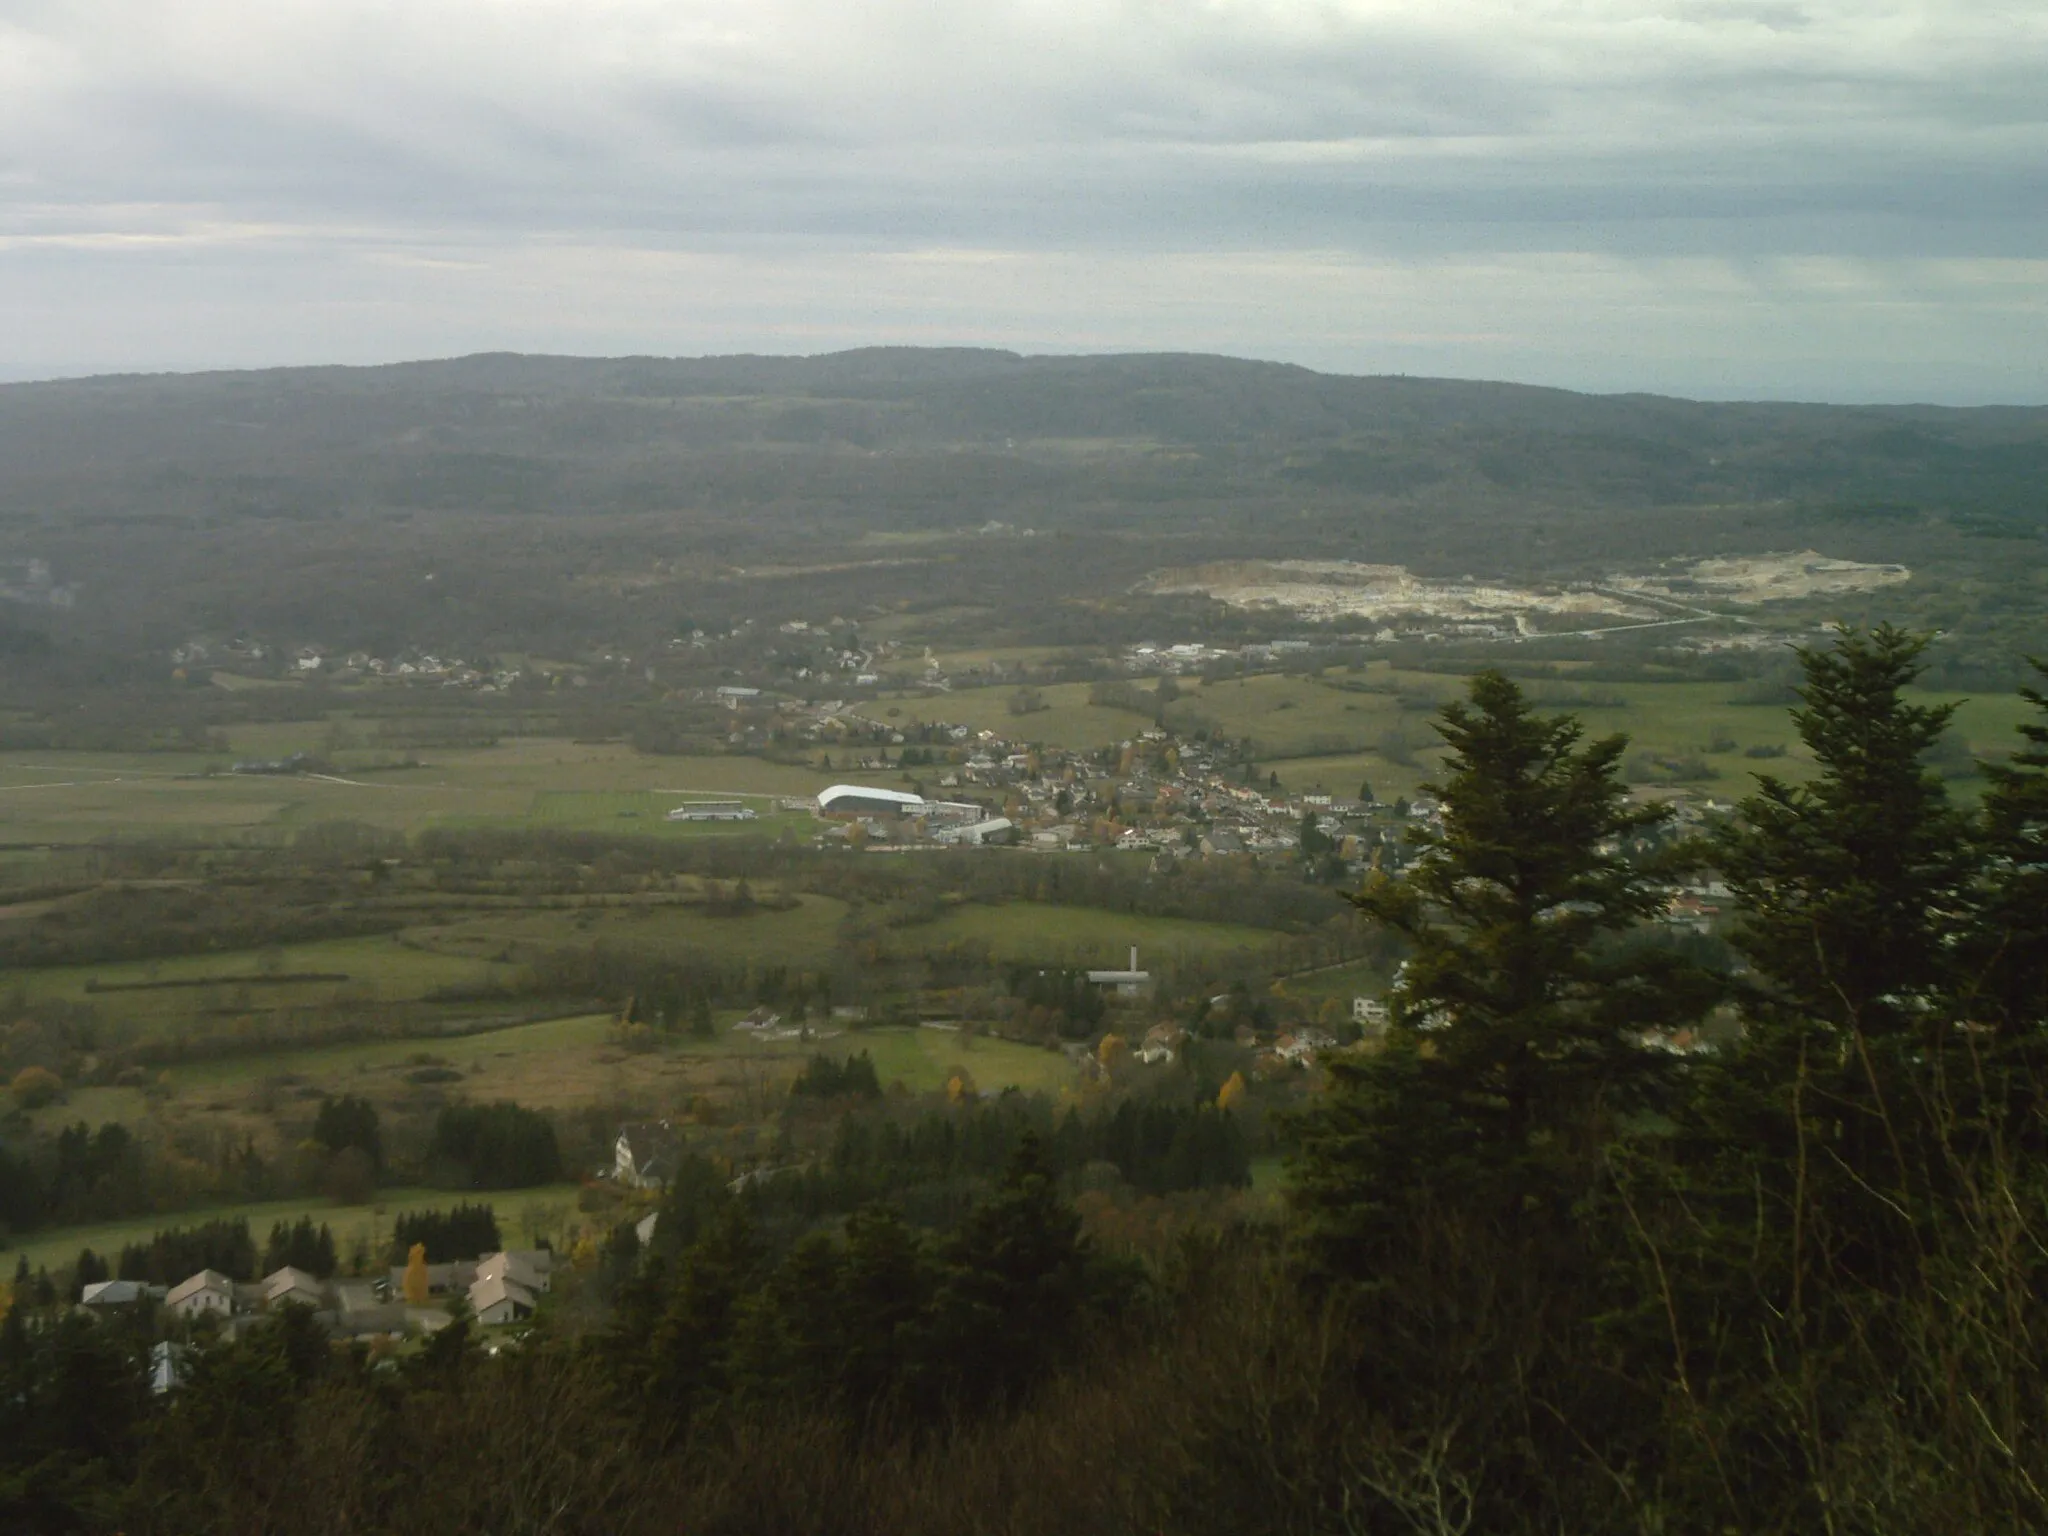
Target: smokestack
pixel 1134 957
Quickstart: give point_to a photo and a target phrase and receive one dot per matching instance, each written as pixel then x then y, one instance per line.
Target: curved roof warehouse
pixel 861 800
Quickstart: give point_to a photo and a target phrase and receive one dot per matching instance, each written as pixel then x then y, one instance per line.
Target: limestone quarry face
pixel 1331 589
pixel 1750 579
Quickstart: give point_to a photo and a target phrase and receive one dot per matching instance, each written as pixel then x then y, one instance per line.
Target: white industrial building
pixel 1126 983
pixel 712 810
pixel 863 800
pixel 997 829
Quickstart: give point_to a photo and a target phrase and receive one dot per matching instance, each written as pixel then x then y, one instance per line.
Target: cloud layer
pixel 1711 196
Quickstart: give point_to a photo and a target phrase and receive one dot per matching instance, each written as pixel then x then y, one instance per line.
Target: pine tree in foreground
pixel 1516 1049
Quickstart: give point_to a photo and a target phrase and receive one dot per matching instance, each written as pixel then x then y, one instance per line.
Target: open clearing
pixel 923 1059
pixel 573 1062
pixel 801 935
pixel 522 1215
pixel 1024 930
pixel 87 797
pixel 379 968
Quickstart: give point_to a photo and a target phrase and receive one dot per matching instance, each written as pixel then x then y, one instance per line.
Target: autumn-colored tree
pixel 1232 1092
pixel 416 1285
pixel 960 1087
pixel 33 1087
pixel 1113 1051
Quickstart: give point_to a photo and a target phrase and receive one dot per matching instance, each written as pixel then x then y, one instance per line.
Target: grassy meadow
pixel 523 1215
pixel 1336 730
pixel 1024 930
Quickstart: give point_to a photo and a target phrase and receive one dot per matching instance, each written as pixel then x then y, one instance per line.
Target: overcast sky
pixel 1840 200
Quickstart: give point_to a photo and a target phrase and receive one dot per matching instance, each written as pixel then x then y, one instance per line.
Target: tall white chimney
pixel 1134 957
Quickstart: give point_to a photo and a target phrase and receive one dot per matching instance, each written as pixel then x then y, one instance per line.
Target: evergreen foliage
pixel 461 1232
pixel 350 1122
pixel 496 1146
pixel 829 1077
pixel 180 1252
pixel 1513 1055
pixel 302 1246
pixel 1848 882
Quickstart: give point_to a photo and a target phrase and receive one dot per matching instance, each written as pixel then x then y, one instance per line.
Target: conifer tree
pixel 1851 885
pixel 1515 1043
pixel 2005 955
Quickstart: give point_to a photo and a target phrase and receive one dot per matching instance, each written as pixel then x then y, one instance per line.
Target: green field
pixel 922 1060
pixel 802 935
pixel 366 1066
pixel 1068 720
pixel 379 968
pixel 1024 930
pixel 640 811
pixel 1308 730
pixel 523 1214
pixel 1342 982
pixel 87 797
pixel 1329 732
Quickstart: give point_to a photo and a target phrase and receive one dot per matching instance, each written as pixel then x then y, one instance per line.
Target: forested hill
pixel 577 507
pixel 545 434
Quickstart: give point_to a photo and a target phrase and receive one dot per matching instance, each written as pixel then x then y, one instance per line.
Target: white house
pixel 644 1156
pixel 526 1268
pixel 113 1293
pixel 495 1299
pixel 294 1285
pixel 208 1291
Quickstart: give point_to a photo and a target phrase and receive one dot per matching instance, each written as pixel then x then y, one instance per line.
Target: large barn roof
pixel 896 797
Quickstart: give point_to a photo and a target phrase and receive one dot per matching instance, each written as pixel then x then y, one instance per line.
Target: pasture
pixel 523 1215
pixel 922 1059
pixel 76 798
pixel 1085 936
pixel 149 997
pixel 801 935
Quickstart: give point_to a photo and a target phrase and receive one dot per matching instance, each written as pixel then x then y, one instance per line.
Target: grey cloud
pixel 1063 127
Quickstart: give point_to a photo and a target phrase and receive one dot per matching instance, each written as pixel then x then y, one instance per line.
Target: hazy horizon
pixel 87 374
pixel 1768 199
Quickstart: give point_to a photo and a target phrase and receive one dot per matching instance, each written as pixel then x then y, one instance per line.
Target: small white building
pixel 997 829
pixel 209 1291
pixel 495 1299
pixel 528 1268
pixel 294 1285
pixel 712 810
pixel 644 1155
pixel 169 1365
pixel 1126 983
pixel 115 1293
pixel 1370 1012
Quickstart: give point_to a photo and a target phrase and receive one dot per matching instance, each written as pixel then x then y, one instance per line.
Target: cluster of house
pixel 355 666
pixel 501 1287
pixel 1164 796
